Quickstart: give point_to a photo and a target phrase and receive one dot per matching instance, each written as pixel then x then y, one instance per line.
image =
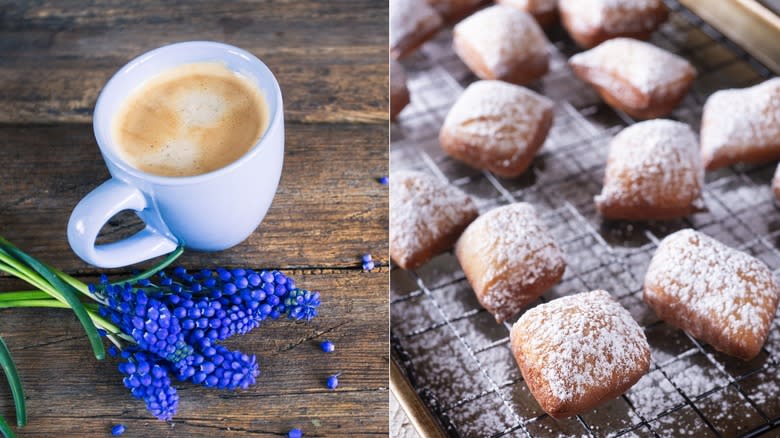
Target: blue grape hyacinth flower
pixel 147 378
pixel 176 321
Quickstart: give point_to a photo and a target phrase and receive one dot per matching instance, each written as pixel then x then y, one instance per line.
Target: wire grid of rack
pixel 457 357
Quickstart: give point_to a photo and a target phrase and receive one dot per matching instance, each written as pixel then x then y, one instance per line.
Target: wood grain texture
pixel 330 57
pixel 331 60
pixel 328 211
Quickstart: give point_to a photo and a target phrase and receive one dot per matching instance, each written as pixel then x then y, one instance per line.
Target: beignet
pixel 426 217
pixel 719 295
pixel 502 43
pixel 741 126
pixel 591 22
pixel 509 259
pixel 412 22
pixel 776 183
pixel 545 12
pixel 636 77
pixel 579 351
pixel 399 94
pixel 497 126
pixel 653 172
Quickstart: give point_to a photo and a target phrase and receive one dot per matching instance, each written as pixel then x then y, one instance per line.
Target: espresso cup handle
pixel 95 209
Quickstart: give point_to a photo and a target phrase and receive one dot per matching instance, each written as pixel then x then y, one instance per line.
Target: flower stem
pixel 24 295
pixel 55 286
pixel 11 266
pixel 154 269
pixel 84 289
pixel 91 308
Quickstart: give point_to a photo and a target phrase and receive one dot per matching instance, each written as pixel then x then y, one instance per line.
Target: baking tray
pixel 753 24
pixel 452 362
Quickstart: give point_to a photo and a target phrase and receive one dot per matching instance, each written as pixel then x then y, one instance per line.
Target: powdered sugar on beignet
pixel 501 42
pixel 612 15
pixel 579 351
pixel 497 126
pixel 643 65
pixel 412 22
pixel 509 258
pixel 741 125
pixel 426 217
pixel 634 76
pixel 717 294
pixel 653 172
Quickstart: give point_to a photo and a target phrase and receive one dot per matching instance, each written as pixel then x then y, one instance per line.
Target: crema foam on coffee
pixel 190 120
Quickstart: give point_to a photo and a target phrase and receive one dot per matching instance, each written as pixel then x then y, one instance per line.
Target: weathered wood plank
pixel 328 211
pixel 69 393
pixel 330 57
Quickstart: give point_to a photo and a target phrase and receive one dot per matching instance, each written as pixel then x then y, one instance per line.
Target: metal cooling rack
pixel 455 355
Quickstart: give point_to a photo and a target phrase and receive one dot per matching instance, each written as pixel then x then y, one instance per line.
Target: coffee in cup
pixel 190 120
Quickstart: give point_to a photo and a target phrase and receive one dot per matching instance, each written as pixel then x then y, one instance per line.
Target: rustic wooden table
pixel 331 60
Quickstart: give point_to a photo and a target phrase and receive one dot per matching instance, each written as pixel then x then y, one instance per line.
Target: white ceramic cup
pixel 207 212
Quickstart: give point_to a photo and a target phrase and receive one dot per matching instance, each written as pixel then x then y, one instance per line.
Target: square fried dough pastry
pixel 741 126
pixel 412 22
pixel 454 10
pixel 427 216
pixel 579 351
pixel 653 172
pixel 504 43
pixel 509 259
pixel 776 183
pixel 591 22
pixel 636 77
pixel 545 12
pixel 719 295
pixel 497 126
pixel 399 94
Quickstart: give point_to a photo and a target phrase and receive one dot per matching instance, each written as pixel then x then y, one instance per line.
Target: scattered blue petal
pixel 327 346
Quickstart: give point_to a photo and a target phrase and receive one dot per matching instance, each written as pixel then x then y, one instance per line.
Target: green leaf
pixel 9 368
pixel 68 292
pixel 5 429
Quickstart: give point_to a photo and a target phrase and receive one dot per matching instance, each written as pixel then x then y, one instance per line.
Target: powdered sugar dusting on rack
pixel 423 209
pixel 504 117
pixel 502 34
pixel 654 162
pixel 737 121
pixel 583 342
pixel 645 66
pixel 410 16
pixel 612 15
pixel 716 285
